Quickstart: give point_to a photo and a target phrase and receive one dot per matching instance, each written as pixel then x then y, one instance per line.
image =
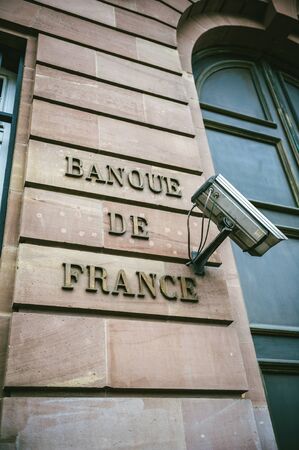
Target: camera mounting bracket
pixel 199 260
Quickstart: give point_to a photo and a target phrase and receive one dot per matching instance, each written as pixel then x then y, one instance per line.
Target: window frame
pixel 12 119
pixel 272 75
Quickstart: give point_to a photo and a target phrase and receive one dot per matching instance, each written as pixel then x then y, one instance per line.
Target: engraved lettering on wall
pixel 119 176
pixel 141 285
pixel 119 225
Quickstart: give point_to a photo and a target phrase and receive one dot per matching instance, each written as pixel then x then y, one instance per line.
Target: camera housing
pixel 224 204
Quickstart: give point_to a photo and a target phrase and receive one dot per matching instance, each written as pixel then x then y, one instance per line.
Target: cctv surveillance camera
pixel 229 209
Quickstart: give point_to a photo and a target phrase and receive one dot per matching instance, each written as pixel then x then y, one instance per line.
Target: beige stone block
pixel 62 25
pixel 23 123
pixel 30 55
pixel 47 165
pixel 139 76
pixel 148 144
pixel 96 423
pixel 64 124
pixel 209 21
pixel 41 277
pixel 143 423
pixel 109 67
pixel 130 4
pixel 85 33
pixel 188 35
pixel 174 356
pixel 89 9
pixel 27 85
pixel 119 18
pixel 158 55
pixel 115 137
pixel 18 167
pixel 12 219
pixel 55 351
pixel 161 12
pixel 166 231
pixel 179 5
pixel 170 115
pixel 73 90
pixel 264 428
pixel 4 331
pixel 56 217
pixel 144 26
pixel 257 393
pixel 220 424
pixel 61 53
pixel 52 350
pixel 19 11
pixel 7 277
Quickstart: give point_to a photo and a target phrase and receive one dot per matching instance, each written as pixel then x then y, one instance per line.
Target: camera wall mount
pixel 235 217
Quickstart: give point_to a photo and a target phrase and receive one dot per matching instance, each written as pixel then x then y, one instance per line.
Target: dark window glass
pixel 259 157
pixel 252 166
pixel 283 398
pixel 217 91
pixel 271 285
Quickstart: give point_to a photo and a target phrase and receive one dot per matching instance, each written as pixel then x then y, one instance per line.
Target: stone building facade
pixel 108 339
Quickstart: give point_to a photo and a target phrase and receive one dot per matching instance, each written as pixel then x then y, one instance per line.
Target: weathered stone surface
pixel 109 68
pixel 86 33
pixel 115 137
pixel 64 124
pixel 23 126
pixel 56 217
pixel 89 9
pixel 18 168
pixel 146 27
pixel 7 276
pixel 62 218
pixel 148 144
pixel 91 34
pixel 60 53
pixel 120 18
pixel 222 424
pixel 95 423
pixel 155 54
pixel 56 351
pixel 135 423
pixel 104 13
pixel 179 5
pixel 139 76
pixel 74 90
pixel 4 330
pixel 45 288
pixel 12 219
pixel 174 356
pixel 163 13
pixel 47 165
pixel 264 428
pixel 70 351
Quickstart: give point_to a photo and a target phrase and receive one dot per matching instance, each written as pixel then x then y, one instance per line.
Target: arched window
pixel 251 112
